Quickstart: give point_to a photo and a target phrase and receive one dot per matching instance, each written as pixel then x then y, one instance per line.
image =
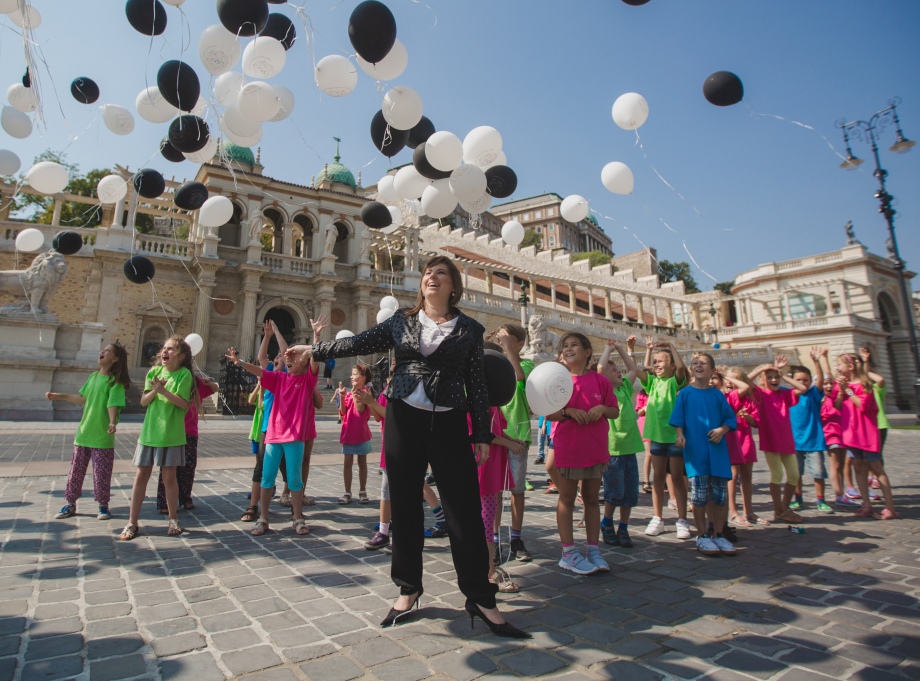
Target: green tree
pixel 267 241
pixel 725 287
pixel 40 209
pixel 531 238
pixel 677 271
pixel 594 257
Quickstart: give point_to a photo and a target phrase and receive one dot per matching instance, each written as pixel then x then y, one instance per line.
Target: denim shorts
pixel 708 488
pixel 863 455
pixel 621 481
pixel 666 449
pixel 361 449
pixel 817 469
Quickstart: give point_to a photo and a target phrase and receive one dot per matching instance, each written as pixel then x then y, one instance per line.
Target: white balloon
pixel 617 177
pixel 286 101
pixel 258 101
pixel 200 107
pixel 15 123
pixel 343 334
pixel 396 216
pixel 195 343
pixel 219 49
pixel 264 57
pixel 391 66
pixel 111 189
pixel 574 208
pixel 228 86
pixel 402 107
pixel 22 98
pixel 409 183
pixel 437 200
pixel 500 160
pixel 117 119
pixel 384 314
pixel 216 211
pixel 444 150
pixel 481 145
pixel 336 76
pixel 513 233
pixel 479 206
pixel 467 182
pixel 152 107
pixel 240 129
pixel 206 154
pixel 30 240
pixel 548 388
pixel 389 303
pixel 47 177
pixel 630 111
pixel 32 18
pixel 8 6
pixel 9 162
pixel 386 192
pixel 176 3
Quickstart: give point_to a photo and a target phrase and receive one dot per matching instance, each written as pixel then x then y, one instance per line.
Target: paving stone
pixel 304 653
pixel 634 647
pixel 199 667
pixel 463 665
pixel 174 645
pixel 111 647
pixel 338 624
pixel 225 621
pixel 265 606
pixel 299 636
pixel 118 668
pixel 214 607
pixel 54 646
pixel 286 619
pixel 102 612
pixel 332 669
pixel 679 664
pixel 624 669
pixel 112 627
pixel 8 668
pixel 236 639
pixel 403 670
pixel 875 657
pixel 754 665
pixel 171 627
pixel 158 613
pixel 377 651
pixel 56 668
pixel 155 598
pixel 691 644
pixel 533 663
pixel 584 654
pixel 596 632
pixel 56 611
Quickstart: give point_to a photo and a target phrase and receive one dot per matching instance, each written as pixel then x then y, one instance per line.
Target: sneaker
pixel 597 560
pixel 527 486
pixel 609 534
pixel 795 505
pixel 103 513
pixel 874 483
pixel 873 495
pixel 726 548
pixel 623 538
pixel 853 493
pixel 388 549
pixel 706 546
pixel 887 514
pixel 551 489
pixel 577 563
pixel 519 551
pixel 672 504
pixel 69 511
pixel 539 460
pixel 655 526
pixel 683 529
pixel 729 533
pixel 378 541
pixel 845 501
pixel 823 507
pixel 436 531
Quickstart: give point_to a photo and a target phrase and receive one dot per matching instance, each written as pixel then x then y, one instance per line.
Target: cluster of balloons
pixel 388 307
pixel 31 19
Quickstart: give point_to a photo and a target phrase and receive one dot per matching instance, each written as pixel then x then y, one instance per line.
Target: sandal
pixel 647 488
pixel 130 532
pixel 285 499
pixel 174 528
pixel 504 582
pixel 363 498
pixel 581 523
pixel 886 514
pixel 162 511
pixel 260 528
pixel 757 520
pixel 309 501
pixel 189 505
pixel 740 521
pixel 300 526
pixel 787 516
pixel 345 499
pixel 250 514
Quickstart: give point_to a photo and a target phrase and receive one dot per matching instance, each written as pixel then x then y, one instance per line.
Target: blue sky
pixel 755 188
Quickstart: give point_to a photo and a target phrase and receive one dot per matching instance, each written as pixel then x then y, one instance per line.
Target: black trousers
pixel 413 439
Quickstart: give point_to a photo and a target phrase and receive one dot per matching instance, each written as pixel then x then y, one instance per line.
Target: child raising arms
pixel 356 434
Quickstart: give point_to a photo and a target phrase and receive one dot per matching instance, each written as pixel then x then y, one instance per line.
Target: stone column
pixel 533 293
pixel 640 312
pixel 697 324
pixel 362 317
pixel 669 313
pixel 845 299
pixel 572 292
pixel 488 280
pixel 552 294
pixel 56 215
pixel 202 318
pixel 287 238
pixel 246 344
pixel 785 301
pixel 749 310
pixel 827 300
pixel 607 312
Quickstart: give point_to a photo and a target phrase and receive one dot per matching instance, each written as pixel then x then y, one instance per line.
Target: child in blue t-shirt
pixel 808 432
pixel 701 418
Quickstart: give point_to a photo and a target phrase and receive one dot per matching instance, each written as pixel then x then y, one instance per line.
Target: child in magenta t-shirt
pixel 773 401
pixel 581 455
pixel 356 433
pixel 854 397
pixel 831 423
pixel 742 450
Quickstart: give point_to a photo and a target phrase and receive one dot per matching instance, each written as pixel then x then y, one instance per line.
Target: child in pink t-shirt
pixel 773 401
pixel 356 433
pixel 581 453
pixel 831 424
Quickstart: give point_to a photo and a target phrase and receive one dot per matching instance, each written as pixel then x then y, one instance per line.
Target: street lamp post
pixel 524 300
pixel 869 131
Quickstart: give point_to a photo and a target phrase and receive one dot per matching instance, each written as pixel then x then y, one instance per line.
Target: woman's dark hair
pixel 119 369
pixel 456 280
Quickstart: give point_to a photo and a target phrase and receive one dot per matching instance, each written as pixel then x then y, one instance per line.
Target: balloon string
pixel 697 264
pixel 661 177
pixel 73 138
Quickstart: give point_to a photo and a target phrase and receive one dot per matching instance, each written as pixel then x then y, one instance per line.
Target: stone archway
pixel 286 324
pixel 891 324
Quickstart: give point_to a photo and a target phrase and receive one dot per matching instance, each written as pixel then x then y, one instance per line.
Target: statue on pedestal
pixel 541 342
pixel 332 235
pixel 37 283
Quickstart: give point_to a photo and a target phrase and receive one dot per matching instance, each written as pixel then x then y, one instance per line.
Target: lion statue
pixel 38 283
pixel 539 338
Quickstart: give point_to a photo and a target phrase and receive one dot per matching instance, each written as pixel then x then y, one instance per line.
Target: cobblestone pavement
pixel 840 601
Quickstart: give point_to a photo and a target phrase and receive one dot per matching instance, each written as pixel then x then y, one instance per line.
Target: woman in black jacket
pixel 438 377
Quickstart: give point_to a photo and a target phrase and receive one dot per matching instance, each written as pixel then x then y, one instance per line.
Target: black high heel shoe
pixel 394 616
pixel 505 630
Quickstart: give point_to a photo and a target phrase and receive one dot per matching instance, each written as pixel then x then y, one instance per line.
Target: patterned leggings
pixel 103 460
pixel 185 475
pixel 489 511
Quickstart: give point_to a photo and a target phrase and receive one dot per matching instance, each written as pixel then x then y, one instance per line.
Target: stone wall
pixel 67 302
pixel 643 263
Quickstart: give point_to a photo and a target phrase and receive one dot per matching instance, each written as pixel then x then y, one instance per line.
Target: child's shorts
pixel 595 472
pixel 362 449
pixel 863 455
pixel 145 455
pixel 708 488
pixel 621 481
pixel 666 449
pixel 816 466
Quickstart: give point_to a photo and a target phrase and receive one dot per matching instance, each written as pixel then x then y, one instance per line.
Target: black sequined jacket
pixel 453 375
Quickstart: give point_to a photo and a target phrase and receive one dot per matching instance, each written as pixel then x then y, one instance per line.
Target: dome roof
pixel 593 220
pixel 239 154
pixel 336 172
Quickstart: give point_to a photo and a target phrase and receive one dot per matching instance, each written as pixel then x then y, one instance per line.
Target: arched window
pixel 152 341
pixel 306 226
pixel 891 319
pixel 277 234
pixel 229 234
pixel 284 320
pixel 341 242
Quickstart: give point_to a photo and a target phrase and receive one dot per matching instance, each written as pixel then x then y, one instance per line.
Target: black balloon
pixel 281 29
pixel 244 18
pixel 67 243
pixel 424 168
pixel 501 182
pixel 635 3
pixel 190 195
pixel 189 134
pixel 139 269
pixel 84 90
pixel 146 16
pixel 179 85
pixel 372 30
pixel 26 78
pixel 149 183
pixel 277 2
pixel 169 152
pixel 500 379
pixel 375 215
pixel 420 133
pixel 723 88
pixel 390 145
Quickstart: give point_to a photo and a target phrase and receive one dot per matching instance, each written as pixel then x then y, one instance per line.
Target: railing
pixel 161 246
pixel 388 278
pixel 832 321
pixel 287 264
pixel 11 230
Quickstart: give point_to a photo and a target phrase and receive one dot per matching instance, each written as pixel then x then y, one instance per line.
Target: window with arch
pixel 229 234
pixel 152 339
pixel 306 238
pixel 276 234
